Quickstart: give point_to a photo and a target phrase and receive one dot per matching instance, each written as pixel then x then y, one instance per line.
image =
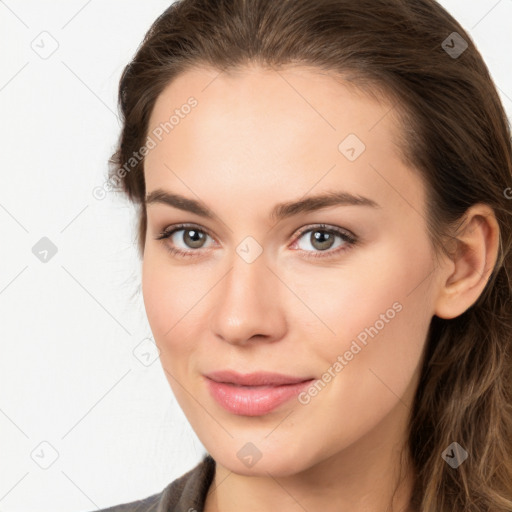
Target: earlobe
pixel 471 263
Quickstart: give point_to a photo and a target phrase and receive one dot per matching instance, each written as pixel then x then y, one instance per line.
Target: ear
pixel 470 264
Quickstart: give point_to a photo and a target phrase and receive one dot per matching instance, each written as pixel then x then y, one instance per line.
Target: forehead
pixel 279 98
pixel 275 128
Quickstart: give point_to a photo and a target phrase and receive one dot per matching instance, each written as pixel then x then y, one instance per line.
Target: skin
pixel 257 138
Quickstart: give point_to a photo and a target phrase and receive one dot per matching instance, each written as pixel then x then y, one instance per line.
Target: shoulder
pixel 188 492
pixel 149 504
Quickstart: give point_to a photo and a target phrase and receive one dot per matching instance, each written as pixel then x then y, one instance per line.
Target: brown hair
pixel 456 135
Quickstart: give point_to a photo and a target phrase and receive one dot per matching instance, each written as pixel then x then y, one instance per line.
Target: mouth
pixel 253 394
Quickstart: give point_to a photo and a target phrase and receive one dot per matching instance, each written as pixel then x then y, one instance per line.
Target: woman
pixel 325 233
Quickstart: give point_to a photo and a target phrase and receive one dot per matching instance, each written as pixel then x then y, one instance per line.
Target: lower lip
pixel 253 400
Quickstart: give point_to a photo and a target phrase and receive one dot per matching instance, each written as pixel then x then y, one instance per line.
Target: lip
pixel 253 394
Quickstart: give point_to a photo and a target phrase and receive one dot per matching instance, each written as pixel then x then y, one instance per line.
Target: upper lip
pixel 254 379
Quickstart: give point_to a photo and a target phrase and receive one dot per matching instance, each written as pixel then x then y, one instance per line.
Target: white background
pixel 69 327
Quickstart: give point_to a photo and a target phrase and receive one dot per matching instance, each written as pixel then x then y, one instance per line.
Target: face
pixel 334 294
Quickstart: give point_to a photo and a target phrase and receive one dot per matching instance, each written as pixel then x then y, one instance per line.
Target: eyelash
pixel 347 237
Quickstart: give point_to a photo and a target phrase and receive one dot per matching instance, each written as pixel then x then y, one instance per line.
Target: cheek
pixel 168 296
pixel 380 312
pixel 368 368
pixel 379 292
pixel 158 296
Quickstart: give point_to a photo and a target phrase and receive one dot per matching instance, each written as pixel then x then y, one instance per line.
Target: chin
pixel 272 459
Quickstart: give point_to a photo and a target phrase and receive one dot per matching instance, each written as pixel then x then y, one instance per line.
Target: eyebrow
pixel 279 212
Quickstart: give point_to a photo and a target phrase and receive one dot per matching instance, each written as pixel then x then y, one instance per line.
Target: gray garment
pixel 185 494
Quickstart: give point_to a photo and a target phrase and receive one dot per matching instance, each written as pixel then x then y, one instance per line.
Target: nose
pixel 248 305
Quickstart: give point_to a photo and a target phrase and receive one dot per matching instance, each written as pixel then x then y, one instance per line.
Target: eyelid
pixel 304 229
pixel 170 230
pixel 348 237
pixel 186 225
pixel 350 240
pixel 325 227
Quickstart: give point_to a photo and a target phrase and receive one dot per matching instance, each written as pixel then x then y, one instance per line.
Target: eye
pixel 323 240
pixel 189 235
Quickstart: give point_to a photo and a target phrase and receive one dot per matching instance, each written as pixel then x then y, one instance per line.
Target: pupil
pixel 194 241
pixel 325 239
